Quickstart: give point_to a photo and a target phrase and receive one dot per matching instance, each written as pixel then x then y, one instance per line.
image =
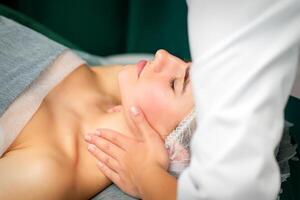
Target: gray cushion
pixel 112 193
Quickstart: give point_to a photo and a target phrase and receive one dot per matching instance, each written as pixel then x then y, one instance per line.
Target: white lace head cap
pixel 178 144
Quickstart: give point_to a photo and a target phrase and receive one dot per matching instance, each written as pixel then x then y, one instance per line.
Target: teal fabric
pixel 105 27
pixel 97 27
pixel 291 186
pixel 292 114
pixel 158 24
pixel 32 24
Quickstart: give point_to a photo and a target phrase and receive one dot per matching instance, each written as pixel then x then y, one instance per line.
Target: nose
pixel 161 59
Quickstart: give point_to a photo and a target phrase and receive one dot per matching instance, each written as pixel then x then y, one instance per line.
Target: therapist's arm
pixel 245 56
pixel 156 183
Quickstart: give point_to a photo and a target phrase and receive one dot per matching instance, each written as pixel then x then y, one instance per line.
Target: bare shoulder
pixel 27 174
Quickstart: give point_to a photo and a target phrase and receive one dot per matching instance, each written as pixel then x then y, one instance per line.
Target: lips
pixel 140 66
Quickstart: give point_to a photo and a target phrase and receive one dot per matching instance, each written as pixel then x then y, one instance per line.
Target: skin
pixel 50 153
pixel 131 163
pixel 164 106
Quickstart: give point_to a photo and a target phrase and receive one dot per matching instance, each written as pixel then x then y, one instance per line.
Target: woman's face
pixel 161 88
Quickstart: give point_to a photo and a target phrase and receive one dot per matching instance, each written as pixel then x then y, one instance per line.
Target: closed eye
pixel 186 79
pixel 172 83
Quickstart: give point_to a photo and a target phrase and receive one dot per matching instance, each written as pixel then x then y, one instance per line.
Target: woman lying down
pixel 49 99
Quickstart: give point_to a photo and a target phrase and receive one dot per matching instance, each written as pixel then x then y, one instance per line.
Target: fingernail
pixel 91 147
pixel 88 138
pixel 134 111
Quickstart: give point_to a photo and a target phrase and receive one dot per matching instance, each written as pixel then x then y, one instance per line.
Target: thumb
pixel 141 123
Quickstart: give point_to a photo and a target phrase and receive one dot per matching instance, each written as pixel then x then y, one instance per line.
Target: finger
pixel 116 138
pixel 105 145
pixel 117 108
pixel 110 110
pixel 103 157
pixel 141 123
pixel 109 173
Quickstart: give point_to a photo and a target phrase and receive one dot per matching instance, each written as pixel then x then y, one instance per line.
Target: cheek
pixel 153 103
pixel 156 107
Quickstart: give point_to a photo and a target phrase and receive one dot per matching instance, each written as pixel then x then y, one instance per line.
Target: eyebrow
pixel 186 79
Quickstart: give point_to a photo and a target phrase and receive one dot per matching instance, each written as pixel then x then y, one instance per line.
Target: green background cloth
pixel 105 27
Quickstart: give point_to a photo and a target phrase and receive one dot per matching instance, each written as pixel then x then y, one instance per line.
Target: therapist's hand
pixel 124 160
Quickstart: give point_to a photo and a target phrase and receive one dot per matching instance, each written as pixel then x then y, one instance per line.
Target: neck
pixel 114 121
pixel 83 98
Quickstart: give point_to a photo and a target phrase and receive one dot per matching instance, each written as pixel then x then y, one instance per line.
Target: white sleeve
pixel 245 57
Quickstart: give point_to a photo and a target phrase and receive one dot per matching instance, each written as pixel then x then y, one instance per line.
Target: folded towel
pixel 30 66
pixel 24 54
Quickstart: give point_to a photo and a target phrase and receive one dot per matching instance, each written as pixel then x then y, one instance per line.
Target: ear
pixel 116 108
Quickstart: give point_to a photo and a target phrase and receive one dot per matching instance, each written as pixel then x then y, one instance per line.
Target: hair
pixel 178 143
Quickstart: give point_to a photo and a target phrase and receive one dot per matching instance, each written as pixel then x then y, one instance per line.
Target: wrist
pixel 143 179
pixel 154 182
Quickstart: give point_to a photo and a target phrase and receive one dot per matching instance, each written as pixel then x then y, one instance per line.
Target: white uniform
pixel 245 57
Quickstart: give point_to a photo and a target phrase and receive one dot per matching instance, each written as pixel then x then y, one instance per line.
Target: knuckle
pixel 106 160
pixel 121 171
pixel 92 139
pixel 98 154
pixel 103 132
pixel 114 138
pixel 107 146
